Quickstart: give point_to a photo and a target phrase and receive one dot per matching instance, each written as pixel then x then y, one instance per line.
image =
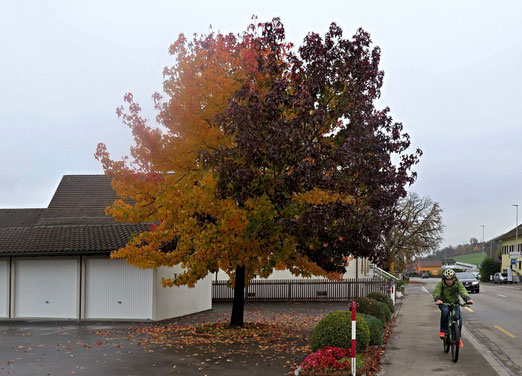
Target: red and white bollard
pixel 354 327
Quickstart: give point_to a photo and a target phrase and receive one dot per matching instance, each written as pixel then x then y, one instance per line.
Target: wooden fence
pixel 302 290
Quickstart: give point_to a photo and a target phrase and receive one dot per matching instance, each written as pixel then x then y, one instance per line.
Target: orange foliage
pixel 171 186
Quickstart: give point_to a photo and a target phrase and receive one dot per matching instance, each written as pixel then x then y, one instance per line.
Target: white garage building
pixel 54 262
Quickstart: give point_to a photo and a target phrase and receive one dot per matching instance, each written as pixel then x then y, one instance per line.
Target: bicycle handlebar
pixel 456 304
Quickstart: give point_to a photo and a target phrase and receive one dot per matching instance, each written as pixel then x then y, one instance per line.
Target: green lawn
pixel 471 258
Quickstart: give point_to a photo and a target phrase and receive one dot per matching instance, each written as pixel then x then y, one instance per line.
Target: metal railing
pixel 302 290
pixel 382 273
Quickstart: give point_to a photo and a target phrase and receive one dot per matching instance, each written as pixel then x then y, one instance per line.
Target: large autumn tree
pixel 266 157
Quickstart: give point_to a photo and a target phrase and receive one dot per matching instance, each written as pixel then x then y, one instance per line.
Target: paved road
pixel 40 348
pixel 415 349
pixel 495 321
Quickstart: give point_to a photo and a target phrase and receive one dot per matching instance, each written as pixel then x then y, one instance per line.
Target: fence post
pixel 354 328
pixel 289 290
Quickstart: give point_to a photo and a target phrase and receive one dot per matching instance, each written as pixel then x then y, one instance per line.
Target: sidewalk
pixel 415 349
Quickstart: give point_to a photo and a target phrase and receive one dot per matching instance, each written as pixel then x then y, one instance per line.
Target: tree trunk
pixel 238 306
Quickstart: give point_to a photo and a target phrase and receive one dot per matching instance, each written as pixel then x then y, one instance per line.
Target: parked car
pixel 469 281
pixel 500 278
pixel 476 274
pixel 425 275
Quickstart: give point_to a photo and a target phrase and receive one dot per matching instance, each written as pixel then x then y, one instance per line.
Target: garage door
pixel 46 288
pixel 116 290
pixel 4 288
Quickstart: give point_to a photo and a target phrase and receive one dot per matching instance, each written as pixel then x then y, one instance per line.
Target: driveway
pixel 35 348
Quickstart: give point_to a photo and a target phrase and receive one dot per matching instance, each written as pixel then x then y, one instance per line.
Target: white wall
pixel 4 288
pixel 179 301
pixel 285 274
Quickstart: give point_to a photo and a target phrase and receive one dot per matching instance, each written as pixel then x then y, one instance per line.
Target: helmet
pixel 448 274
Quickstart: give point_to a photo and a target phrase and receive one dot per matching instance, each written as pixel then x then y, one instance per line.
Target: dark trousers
pixel 444 317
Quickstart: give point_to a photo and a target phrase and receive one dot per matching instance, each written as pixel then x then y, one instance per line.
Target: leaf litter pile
pixel 275 338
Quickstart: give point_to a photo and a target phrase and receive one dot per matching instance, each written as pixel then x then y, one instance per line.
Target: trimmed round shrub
pixel 335 330
pixel 380 297
pixel 375 326
pixel 386 311
pixel 371 307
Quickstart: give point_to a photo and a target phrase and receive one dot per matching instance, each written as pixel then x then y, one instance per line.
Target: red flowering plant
pixel 331 361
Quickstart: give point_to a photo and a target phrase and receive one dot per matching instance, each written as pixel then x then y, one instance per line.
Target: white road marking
pixel 493 360
pixel 504 296
pixel 426 291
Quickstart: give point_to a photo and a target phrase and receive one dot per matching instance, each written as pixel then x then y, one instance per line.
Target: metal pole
pixel 354 330
pixel 482 237
pixel 516 233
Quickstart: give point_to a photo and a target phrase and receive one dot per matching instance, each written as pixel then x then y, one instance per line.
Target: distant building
pixel 432 266
pixel 448 262
pixel 511 250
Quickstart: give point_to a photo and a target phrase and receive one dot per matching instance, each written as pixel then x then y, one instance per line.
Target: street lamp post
pixel 516 230
pixel 482 237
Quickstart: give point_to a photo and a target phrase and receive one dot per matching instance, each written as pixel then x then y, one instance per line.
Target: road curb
pixel 493 360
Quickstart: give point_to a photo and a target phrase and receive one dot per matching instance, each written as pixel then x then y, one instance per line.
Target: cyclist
pixel 448 291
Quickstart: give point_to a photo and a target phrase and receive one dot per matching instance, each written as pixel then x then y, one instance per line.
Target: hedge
pixel 380 297
pixel 372 307
pixel 375 326
pixel 386 310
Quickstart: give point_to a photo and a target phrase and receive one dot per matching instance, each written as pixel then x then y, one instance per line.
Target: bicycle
pixel 452 340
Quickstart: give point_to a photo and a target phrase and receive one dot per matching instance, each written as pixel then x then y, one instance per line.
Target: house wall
pixel 362 265
pixel 434 270
pixel 179 301
pixel 507 247
pixel 120 291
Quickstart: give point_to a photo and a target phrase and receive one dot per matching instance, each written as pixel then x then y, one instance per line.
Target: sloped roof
pixel 88 193
pixel 19 217
pixel 430 263
pixel 511 234
pixel 73 223
pixel 54 240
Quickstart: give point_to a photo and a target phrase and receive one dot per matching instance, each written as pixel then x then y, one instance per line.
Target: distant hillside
pixel 471 258
pixel 473 247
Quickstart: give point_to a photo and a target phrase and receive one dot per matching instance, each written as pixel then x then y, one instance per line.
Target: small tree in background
pixel 489 267
pixel 418 230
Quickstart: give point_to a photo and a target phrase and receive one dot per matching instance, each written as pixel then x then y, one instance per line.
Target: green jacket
pixel 450 294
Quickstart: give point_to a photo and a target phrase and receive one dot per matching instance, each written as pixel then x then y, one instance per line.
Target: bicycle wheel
pixel 455 341
pixel 446 343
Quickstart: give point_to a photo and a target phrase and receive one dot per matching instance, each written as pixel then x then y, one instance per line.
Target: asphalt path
pixel 414 347
pixel 495 323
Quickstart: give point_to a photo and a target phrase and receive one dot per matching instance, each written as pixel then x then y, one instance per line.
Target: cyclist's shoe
pixel 461 344
pixel 442 335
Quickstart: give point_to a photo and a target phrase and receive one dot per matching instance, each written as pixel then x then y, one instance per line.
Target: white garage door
pixel 4 288
pixel 46 288
pixel 116 290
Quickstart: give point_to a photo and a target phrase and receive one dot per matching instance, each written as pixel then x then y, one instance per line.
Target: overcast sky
pixel 452 76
